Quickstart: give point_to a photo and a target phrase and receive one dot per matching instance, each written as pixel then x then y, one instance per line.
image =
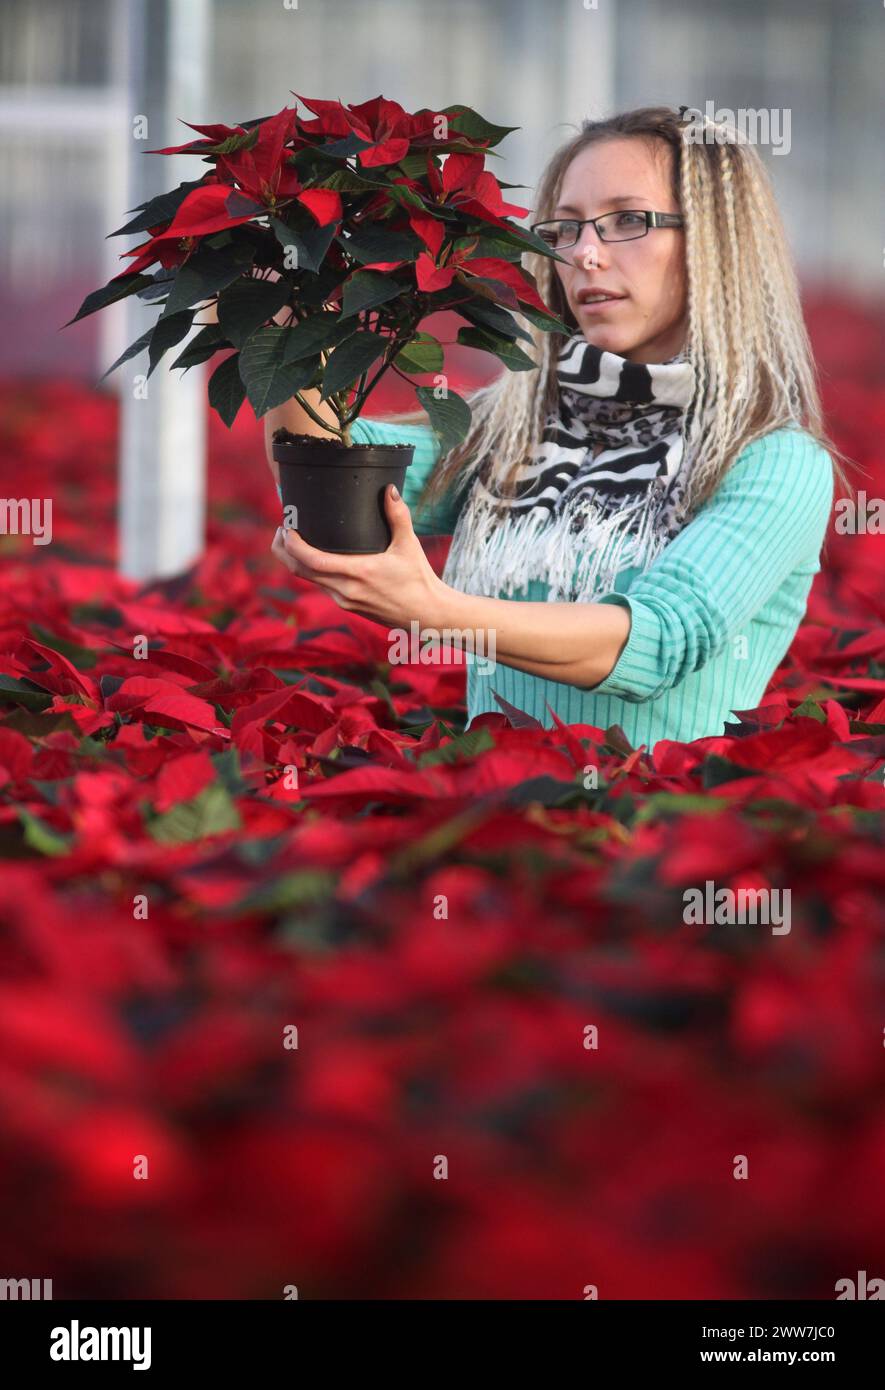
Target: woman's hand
pixel 394 588
pixel 574 643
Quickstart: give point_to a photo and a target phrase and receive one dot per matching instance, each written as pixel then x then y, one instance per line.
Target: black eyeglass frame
pixel 652 219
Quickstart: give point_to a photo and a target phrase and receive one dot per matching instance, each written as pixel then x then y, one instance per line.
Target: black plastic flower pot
pixel 337 493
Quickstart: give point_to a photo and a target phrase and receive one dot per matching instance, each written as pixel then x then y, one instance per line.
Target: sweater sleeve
pixel 767 519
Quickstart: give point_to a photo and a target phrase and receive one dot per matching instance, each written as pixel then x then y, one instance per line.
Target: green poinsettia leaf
pixel 493 316
pixel 546 791
pixel 320 332
pixel 456 144
pixel 110 294
pixel 167 332
pixel 270 377
pixel 715 771
pixel 423 354
pixel 343 148
pixel 226 389
pixel 369 244
pixel 366 289
pixel 350 360
pixel 202 346
pixel 304 247
pixel 157 211
pixel 510 244
pixel 234 142
pixel 407 197
pixel 212 812
pixel 466 745
pixel 345 180
pixel 414 166
pixel 247 305
pixel 42 837
pixel 468 122
pixel 684 803
pixel 812 710
pixel 161 284
pixel 505 349
pixel 16 692
pixel 485 287
pixel 548 323
pixel 132 351
pixel 296 889
pixel 206 273
pixel 449 415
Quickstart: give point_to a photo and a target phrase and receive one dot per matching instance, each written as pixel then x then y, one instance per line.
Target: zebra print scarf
pixel 605 491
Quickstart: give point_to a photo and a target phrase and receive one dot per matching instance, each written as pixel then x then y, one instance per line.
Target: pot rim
pixel 345 456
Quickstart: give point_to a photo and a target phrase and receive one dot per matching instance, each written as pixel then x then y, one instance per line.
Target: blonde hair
pixel 747 340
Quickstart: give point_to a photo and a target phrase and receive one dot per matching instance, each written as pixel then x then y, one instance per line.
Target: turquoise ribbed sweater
pixel 711 618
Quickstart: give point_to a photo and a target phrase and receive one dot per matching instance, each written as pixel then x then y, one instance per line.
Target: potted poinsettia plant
pixel 323 242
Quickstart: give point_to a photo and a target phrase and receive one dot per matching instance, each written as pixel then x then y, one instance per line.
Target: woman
pixel 638 522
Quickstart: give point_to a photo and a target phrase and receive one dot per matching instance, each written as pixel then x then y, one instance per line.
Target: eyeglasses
pixel 613 226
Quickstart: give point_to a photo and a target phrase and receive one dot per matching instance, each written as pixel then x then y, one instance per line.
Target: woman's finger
pixel 278 548
pixel 320 564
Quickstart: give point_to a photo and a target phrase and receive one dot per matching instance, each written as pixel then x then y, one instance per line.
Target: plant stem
pixel 316 418
pixel 398 342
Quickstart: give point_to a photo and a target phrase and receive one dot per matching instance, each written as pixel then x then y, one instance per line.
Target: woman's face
pixel 648 323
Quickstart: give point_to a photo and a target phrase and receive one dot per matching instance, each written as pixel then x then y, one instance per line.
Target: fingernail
pixel 394 492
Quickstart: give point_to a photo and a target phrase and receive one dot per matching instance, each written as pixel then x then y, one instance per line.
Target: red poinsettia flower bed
pixel 442 918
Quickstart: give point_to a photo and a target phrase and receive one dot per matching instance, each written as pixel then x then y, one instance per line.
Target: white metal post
pixel 162 460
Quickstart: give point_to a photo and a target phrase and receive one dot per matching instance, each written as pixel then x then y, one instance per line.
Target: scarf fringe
pixel 488 556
